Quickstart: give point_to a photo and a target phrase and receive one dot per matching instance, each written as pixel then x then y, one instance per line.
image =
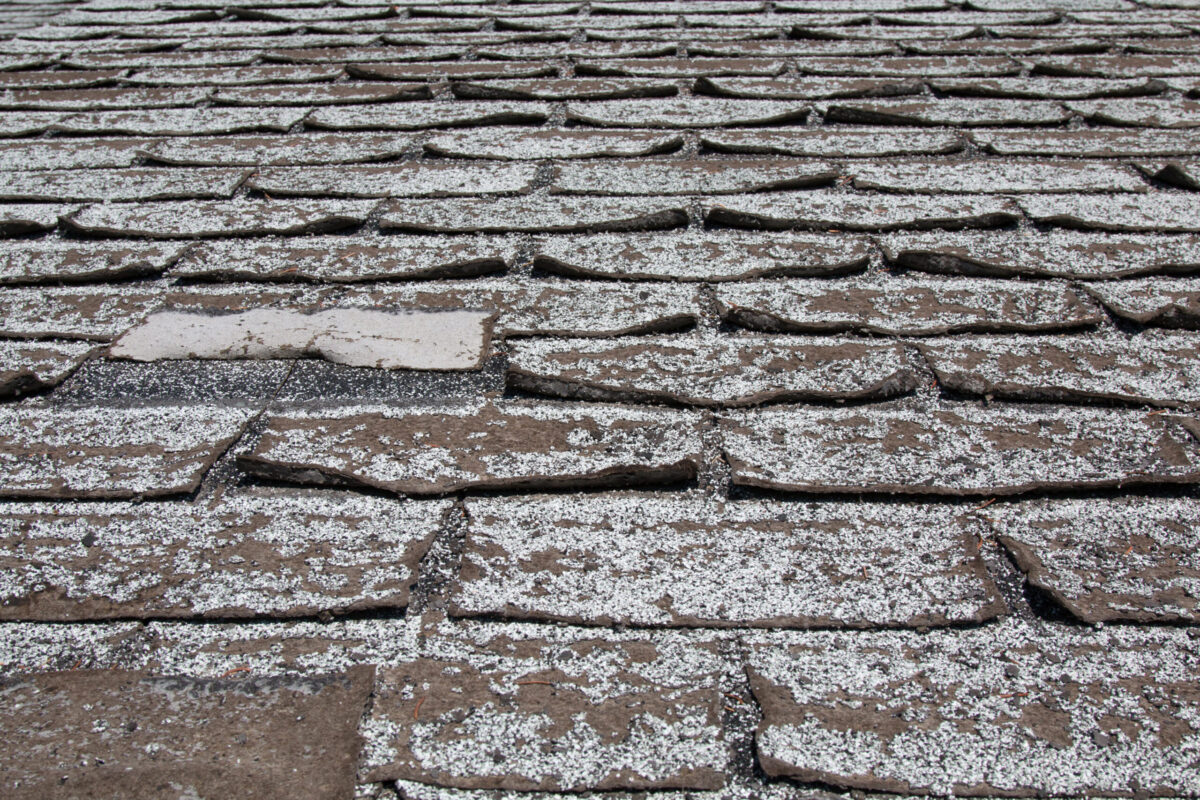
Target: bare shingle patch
pixel 105 732
pixel 448 340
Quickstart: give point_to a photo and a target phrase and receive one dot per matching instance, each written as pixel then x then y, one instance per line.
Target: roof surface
pixel 492 400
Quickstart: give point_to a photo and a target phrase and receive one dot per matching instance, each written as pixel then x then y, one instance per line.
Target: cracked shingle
pixel 900 306
pixel 505 445
pixel 956 449
pixel 1112 559
pixel 112 452
pixel 277 554
pixel 700 255
pixel 1009 708
pixel 708 369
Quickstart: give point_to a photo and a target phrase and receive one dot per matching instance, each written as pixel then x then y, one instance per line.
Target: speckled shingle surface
pixel 545 399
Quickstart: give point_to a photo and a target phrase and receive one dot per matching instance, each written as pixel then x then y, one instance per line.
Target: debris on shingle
pixel 1091 143
pixel 413 178
pixel 658 561
pixel 27 367
pixel 1158 212
pixel 499 707
pixel 956 449
pixel 686 112
pixel 518 144
pixel 112 452
pixel 186 220
pixel 278 151
pixel 446 340
pixel 900 305
pixel 811 88
pixel 832 211
pixel 65 261
pixel 341 259
pixel 1163 302
pixel 1013 708
pixel 116 733
pixel 277 553
pixel 1152 367
pixel 107 185
pixel 700 255
pixel 1140 113
pixel 707 369
pixel 951 111
pixel 413 116
pixel 1127 559
pixel 931 177
pixel 503 445
pixel 182 121
pixel 690 177
pixel 1051 254
pixel 534 214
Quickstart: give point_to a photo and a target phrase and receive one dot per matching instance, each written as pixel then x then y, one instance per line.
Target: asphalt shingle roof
pixel 502 399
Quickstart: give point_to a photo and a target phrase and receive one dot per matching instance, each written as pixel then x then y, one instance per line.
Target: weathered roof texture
pixel 533 399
